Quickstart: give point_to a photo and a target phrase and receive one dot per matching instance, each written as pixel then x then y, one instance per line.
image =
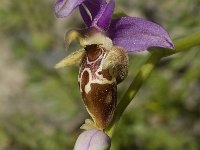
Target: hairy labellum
pixel 102 66
pixel 100 72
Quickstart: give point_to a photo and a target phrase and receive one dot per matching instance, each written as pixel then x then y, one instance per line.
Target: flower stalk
pixel 181 45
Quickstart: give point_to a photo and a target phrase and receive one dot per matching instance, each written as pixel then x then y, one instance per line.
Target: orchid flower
pixel 103 57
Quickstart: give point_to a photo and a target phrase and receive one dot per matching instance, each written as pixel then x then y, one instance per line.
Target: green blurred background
pixel 41 108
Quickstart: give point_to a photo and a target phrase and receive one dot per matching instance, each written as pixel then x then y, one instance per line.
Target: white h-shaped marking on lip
pixel 99 79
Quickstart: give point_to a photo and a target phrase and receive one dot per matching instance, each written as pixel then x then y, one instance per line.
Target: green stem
pixel 182 44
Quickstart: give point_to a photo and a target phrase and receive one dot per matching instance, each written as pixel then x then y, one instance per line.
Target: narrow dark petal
pixel 86 17
pixel 63 8
pixel 106 15
pixel 137 34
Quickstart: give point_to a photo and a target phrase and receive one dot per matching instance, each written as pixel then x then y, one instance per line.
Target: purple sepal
pixel 63 8
pixel 89 9
pixel 137 34
pixel 106 15
pixel 100 13
pixel 92 140
pixel 86 17
pixel 94 6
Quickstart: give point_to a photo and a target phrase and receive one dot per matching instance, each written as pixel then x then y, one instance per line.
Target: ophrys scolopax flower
pixel 103 59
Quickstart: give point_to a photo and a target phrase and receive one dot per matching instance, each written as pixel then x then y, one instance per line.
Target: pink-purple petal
pixel 63 8
pixel 137 34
